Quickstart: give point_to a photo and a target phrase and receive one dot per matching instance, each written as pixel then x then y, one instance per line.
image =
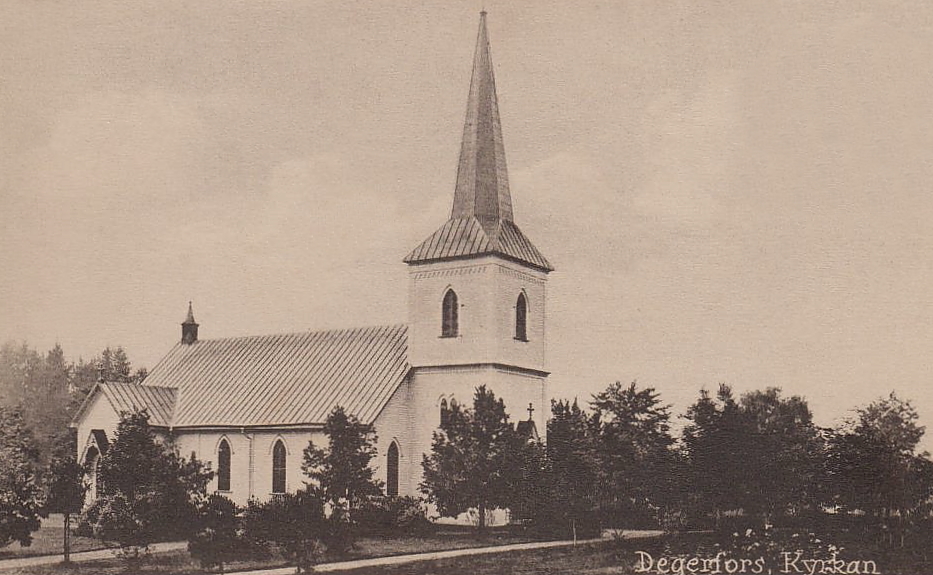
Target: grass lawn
pixel 604 558
pixel 619 557
pixel 444 539
pixel 610 557
pixel 48 540
pixel 180 563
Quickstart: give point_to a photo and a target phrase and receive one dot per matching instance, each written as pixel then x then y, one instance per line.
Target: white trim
pixel 276 439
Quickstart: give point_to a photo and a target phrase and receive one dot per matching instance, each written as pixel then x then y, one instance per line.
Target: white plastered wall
pixel 250 457
pixel 487 290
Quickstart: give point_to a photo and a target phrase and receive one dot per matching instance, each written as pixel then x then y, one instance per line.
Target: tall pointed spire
pixel 482 178
pixel 481 220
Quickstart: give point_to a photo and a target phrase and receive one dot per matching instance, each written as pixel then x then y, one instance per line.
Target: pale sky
pixel 730 191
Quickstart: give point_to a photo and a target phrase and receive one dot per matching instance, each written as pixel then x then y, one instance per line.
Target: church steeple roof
pixel 481 220
pixel 482 178
pixel 190 316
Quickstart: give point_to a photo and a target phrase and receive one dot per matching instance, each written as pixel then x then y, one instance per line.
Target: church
pixel 476 315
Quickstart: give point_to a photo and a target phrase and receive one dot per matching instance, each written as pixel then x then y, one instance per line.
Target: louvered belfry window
pixel 223 466
pixel 278 467
pixel 392 470
pixel 521 318
pixel 449 324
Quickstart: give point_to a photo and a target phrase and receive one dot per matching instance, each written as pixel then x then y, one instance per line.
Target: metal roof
pixel 289 379
pixel 481 220
pixel 464 237
pixel 482 178
pixel 129 397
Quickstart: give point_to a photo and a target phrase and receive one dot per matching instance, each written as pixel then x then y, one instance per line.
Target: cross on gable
pixel 531 410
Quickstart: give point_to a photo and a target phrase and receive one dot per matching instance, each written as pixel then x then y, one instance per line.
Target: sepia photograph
pixel 414 287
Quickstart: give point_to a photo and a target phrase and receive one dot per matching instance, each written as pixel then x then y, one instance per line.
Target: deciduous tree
pixel 874 464
pixel 65 494
pixel 473 461
pixel 19 493
pixel 634 445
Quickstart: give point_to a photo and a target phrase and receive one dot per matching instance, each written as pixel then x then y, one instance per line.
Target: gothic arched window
pixel 392 470
pixel 521 318
pixel 92 464
pixel 278 467
pixel 449 311
pixel 445 413
pixel 223 466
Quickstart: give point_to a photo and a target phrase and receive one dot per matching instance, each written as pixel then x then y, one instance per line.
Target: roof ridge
pixel 335 330
pixel 242 380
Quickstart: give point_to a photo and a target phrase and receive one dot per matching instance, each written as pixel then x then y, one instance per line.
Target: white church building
pixel 477 315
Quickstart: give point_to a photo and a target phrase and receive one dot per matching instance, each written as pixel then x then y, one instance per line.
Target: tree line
pixel 613 462
pixel 45 390
pixel 39 394
pixel 757 459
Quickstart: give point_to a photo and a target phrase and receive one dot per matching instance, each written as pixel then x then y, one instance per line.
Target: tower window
pixel 449 311
pixel 278 467
pixel 521 318
pixel 392 470
pixel 223 466
pixel 445 413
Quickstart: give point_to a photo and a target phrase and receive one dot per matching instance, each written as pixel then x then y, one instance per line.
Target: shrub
pixel 128 522
pixel 292 524
pixel 384 515
pixel 218 538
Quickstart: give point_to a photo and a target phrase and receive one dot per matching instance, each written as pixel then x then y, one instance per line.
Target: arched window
pixel 91 464
pixel 449 324
pixel 278 467
pixel 223 466
pixel 392 470
pixel 521 318
pixel 445 413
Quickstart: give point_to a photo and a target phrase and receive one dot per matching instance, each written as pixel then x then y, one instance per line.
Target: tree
pixel 781 453
pixel 341 474
pixel 572 468
pixel 19 493
pixel 146 484
pixel 37 386
pixel 760 454
pixel 342 471
pixel 634 445
pixel 473 461
pixel 873 461
pixel 47 390
pixel 19 365
pixel 711 442
pixel 66 491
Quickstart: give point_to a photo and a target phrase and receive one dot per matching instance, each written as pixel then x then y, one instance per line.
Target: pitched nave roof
pixel 289 379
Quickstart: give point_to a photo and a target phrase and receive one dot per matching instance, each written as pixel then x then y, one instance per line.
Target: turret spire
pixel 189 328
pixel 482 178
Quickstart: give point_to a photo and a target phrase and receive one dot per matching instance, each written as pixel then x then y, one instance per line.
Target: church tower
pixel 477 286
